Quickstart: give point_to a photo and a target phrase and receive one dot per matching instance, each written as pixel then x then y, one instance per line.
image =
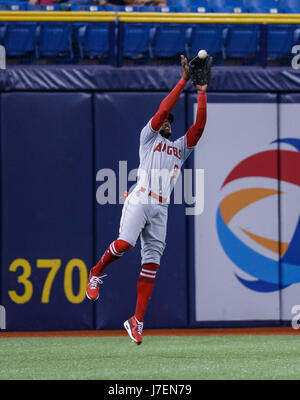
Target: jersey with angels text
pixel 160 161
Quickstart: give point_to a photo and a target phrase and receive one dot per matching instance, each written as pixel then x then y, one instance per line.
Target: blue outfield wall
pixel 47 211
pixel 60 126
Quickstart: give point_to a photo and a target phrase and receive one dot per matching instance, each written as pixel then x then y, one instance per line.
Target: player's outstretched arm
pixel 200 74
pixel 167 105
pixel 195 131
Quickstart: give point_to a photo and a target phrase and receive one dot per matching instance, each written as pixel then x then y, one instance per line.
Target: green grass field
pixel 159 357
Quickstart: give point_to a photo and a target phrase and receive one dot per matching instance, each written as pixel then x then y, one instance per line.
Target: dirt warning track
pixel 155 332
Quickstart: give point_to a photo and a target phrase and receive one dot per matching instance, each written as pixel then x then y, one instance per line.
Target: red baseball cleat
pixel 134 329
pixel 93 286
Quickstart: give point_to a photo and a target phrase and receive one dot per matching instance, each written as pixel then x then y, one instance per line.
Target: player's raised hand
pixel 201 88
pixel 185 68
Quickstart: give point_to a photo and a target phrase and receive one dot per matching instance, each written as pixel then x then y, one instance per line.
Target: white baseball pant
pixel 147 218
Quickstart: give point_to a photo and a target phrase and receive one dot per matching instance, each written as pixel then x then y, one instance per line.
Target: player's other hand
pixel 185 68
pixel 201 88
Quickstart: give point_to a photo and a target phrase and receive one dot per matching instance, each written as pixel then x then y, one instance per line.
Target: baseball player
pixel 145 210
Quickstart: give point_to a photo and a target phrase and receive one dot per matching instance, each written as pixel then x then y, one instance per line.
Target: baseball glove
pixel 200 70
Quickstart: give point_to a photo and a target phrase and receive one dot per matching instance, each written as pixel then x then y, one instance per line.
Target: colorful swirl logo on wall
pixel 268 276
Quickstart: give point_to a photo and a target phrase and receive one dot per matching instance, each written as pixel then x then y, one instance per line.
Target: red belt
pixel 154 195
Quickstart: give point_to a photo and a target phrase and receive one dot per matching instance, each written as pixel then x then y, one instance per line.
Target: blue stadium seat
pixel 171 3
pixel 80 2
pixel 94 40
pixel 290 6
pixel 205 36
pixel 135 40
pixel 280 40
pixel 242 41
pixel 20 39
pixel 169 40
pixel 86 7
pixel 48 7
pixel 157 9
pixel 4 6
pixel 55 40
pixel 191 9
pixel 187 3
pixel 200 6
pixel 263 6
pixel 12 6
pixel 226 6
pixel 121 8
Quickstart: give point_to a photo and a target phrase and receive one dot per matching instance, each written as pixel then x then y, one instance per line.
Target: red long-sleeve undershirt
pixel 195 131
pixel 166 106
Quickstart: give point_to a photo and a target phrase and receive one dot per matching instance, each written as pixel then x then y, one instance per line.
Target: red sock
pixel 145 287
pixel 114 251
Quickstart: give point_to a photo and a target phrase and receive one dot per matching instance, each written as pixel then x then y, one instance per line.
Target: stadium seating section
pixel 116 42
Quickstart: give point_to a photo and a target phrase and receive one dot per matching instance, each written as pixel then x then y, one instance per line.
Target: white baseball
pixel 202 54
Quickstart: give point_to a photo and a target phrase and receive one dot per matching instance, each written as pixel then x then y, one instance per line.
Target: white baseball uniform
pixel 145 211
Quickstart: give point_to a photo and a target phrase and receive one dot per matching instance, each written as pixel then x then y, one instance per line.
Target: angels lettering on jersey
pixel 170 150
pixel 160 161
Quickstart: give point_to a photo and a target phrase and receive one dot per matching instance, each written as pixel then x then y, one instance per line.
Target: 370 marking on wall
pixel 53 265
